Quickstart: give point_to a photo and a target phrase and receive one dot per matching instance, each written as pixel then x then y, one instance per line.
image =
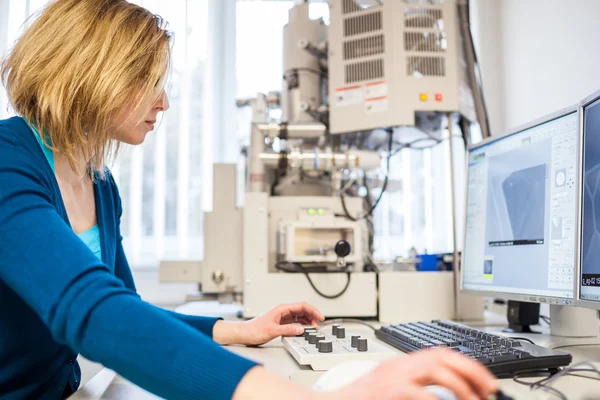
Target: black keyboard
pixel 503 356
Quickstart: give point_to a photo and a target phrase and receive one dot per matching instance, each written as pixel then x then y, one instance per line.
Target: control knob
pixel 325 346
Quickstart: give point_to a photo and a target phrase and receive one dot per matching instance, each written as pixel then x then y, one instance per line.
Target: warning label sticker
pixel 348 96
pixel 376 104
pixel 376 89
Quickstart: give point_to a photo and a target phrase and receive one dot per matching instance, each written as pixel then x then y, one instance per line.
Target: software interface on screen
pixel 590 237
pixel 521 212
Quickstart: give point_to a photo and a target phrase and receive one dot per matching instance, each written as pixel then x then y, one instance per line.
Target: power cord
pixel 299 268
pixel 545 319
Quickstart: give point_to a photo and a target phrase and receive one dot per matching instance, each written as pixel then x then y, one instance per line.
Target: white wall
pixel 537 56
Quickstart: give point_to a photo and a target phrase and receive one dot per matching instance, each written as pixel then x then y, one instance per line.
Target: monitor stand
pixel 567 321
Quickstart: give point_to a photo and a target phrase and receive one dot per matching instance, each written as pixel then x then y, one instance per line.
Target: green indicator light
pixel 320 211
pixel 311 211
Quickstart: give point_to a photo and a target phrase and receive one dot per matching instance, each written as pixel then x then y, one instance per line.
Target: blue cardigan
pixel 57 299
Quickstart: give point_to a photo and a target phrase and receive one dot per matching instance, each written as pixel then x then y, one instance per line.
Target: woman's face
pixel 132 126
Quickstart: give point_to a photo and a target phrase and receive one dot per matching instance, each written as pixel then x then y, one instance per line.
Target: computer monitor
pixel 589 277
pixel 521 212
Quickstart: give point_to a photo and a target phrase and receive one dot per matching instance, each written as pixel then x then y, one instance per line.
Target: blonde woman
pixel 84 77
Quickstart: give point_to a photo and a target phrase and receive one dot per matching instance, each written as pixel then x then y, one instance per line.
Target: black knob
pixel 342 248
pixel 311 337
pixel 325 346
pixel 334 329
pixel 362 344
pixel 318 338
pixel 341 333
pixel 308 331
pixel 354 340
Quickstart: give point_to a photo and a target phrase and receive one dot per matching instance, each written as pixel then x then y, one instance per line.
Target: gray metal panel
pixel 401 89
pixel 523 297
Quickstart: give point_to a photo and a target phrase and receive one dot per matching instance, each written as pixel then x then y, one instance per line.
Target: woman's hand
pixel 404 378
pixel 283 320
pixel 401 378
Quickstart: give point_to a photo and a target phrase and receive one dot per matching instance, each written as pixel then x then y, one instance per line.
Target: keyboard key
pixel 483 360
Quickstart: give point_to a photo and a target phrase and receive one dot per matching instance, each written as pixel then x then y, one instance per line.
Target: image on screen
pixel 522 210
pixel 590 238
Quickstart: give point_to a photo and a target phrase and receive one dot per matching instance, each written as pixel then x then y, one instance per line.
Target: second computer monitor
pixel 589 282
pixel 521 213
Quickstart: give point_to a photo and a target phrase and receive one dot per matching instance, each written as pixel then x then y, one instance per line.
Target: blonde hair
pixel 81 63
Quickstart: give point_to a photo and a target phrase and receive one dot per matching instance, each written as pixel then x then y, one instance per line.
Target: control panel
pixel 324 349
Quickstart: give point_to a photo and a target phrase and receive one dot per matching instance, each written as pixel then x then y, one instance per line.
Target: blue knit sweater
pixel 57 299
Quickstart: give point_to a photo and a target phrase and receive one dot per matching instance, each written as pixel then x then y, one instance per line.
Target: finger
pixel 300 320
pixel 479 377
pixel 302 308
pixel 290 330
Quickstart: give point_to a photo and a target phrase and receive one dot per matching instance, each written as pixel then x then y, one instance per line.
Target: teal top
pixel 91 237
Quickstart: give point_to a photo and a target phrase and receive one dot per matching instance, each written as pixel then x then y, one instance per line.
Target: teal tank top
pixel 90 237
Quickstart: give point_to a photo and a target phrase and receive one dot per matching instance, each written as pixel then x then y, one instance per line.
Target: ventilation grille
pixel 362 24
pixel 364 47
pixel 424 18
pixel 425 2
pixel 418 66
pixel 349 6
pixel 431 42
pixel 365 70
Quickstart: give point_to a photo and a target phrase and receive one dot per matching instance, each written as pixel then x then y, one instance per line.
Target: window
pixel 161 182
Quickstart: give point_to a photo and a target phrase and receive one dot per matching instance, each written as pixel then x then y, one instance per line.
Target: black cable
pixel 533 385
pixel 300 268
pixel 544 384
pixel 545 319
pixel 522 338
pixel 383 187
pixel 410 145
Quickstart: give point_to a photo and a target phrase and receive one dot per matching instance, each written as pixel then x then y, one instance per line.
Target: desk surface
pixel 108 385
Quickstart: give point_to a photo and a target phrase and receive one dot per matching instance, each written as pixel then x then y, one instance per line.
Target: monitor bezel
pixel 579 302
pixel 544 299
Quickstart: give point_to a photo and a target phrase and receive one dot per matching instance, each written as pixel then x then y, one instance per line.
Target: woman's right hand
pixel 404 378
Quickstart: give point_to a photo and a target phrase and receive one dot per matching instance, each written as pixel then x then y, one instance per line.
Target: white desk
pixel 107 385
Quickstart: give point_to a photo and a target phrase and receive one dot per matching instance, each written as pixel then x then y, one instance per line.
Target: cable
pixel 410 145
pixel 545 384
pixel 347 320
pixel 545 319
pixel 533 385
pixel 300 268
pixel 383 187
pixel 522 338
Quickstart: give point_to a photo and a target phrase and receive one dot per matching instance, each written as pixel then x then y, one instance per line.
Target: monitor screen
pixel 521 216
pixel 590 235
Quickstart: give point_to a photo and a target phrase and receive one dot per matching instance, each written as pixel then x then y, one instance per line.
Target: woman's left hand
pixel 283 320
